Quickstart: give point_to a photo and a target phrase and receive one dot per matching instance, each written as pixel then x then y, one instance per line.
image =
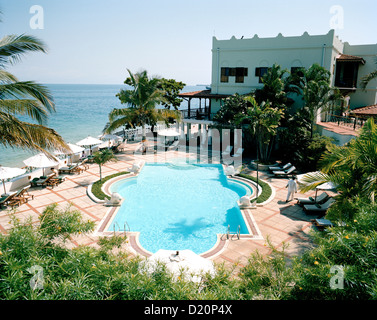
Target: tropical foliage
pixel 262 120
pixel 317 94
pixel 24 98
pixel 353 167
pixel 141 102
pixel 171 89
pixel 276 87
pixel 102 157
pixel 369 77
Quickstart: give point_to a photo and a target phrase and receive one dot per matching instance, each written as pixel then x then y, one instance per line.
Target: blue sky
pixel 92 41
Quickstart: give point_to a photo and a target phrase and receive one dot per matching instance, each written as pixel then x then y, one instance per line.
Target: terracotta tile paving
pixel 281 222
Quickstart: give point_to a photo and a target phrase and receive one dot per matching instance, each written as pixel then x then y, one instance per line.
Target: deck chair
pixel 55 180
pixel 70 169
pixel 41 181
pixel 20 197
pixel 320 199
pixel 318 208
pixel 276 167
pixel 322 223
pixel 284 172
pixel 84 164
pixel 4 200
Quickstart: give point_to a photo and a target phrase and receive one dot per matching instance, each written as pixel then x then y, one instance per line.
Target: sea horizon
pixel 81 110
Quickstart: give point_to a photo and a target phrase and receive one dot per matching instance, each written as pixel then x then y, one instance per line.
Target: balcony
pixel 198 114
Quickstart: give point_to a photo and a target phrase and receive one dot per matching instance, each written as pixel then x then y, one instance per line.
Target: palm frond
pixel 28 90
pixel 31 108
pixel 16 133
pixel 312 180
pixel 368 78
pixel 14 47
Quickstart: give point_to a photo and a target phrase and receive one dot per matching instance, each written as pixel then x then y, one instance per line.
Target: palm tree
pixel 369 77
pixel 353 167
pixel 276 86
pixel 20 98
pixel 141 104
pixel 317 94
pixel 262 120
pixel 102 157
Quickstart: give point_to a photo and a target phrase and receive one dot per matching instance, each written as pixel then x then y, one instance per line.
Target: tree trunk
pixel 143 134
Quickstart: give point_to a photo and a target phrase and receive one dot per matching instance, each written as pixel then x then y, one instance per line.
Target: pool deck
pixel 276 220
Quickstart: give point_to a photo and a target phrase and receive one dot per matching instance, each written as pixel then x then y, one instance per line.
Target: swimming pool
pixel 179 206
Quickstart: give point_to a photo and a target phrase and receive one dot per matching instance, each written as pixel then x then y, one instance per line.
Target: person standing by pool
pixel 292 188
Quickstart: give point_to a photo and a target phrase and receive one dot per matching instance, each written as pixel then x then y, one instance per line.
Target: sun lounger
pixel 20 197
pixel 4 200
pixel 70 169
pixel 84 164
pixel 41 181
pixel 320 199
pixel 56 180
pixel 318 208
pixel 284 172
pixel 322 223
pixel 277 167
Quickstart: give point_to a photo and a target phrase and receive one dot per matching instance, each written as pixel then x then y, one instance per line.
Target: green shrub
pixel 266 189
pixel 96 187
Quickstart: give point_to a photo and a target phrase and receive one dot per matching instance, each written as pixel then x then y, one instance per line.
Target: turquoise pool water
pixel 177 207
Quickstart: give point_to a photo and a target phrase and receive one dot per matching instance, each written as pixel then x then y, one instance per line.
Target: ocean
pixel 81 110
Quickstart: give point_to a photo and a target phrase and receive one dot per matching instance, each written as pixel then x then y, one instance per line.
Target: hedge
pixel 266 189
pixel 96 187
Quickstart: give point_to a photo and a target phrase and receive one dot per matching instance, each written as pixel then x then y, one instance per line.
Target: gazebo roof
pixel 203 94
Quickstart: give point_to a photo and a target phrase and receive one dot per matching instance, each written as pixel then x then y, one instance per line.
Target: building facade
pixel 239 64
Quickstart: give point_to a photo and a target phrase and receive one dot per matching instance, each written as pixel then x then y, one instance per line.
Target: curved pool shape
pixel 177 207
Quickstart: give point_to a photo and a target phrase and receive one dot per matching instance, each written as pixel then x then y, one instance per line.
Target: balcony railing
pixel 351 122
pixel 197 114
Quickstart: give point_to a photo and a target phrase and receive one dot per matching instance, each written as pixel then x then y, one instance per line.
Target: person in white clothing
pixel 292 188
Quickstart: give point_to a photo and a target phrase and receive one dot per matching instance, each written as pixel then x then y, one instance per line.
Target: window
pixel 297 71
pixel 260 72
pixel 224 75
pixel 240 73
pixel 346 74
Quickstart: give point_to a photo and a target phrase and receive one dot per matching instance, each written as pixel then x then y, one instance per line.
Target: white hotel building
pixel 238 64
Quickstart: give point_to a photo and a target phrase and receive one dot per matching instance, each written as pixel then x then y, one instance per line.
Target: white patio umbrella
pixel 89 141
pixel 110 137
pixel 168 133
pixel 185 262
pixel 8 172
pixel 41 161
pixel 74 149
pixel 325 186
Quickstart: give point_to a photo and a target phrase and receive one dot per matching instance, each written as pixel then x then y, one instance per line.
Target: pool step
pixel 182 166
pixel 228 233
